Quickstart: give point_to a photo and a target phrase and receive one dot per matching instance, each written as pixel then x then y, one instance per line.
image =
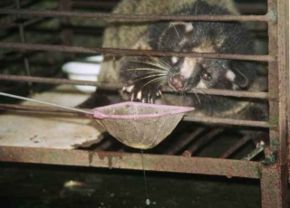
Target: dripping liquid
pixel 147 199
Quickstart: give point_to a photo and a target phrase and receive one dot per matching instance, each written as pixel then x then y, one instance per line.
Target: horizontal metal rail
pixel 44 80
pixel 56 81
pixel 192 118
pixel 226 93
pixel 113 160
pixel 249 8
pixel 131 52
pixel 135 18
pixel 227 121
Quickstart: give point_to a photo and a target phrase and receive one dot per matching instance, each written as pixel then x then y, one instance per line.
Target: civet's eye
pixel 206 76
pixel 174 60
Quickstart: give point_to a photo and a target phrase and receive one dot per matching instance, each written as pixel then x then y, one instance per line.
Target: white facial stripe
pixel 230 75
pixel 139 95
pixel 201 85
pixel 187 67
pixel 130 88
pixel 174 59
pixel 188 27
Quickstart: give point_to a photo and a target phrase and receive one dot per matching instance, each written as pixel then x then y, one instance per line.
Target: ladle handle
pixel 99 115
pixel 45 103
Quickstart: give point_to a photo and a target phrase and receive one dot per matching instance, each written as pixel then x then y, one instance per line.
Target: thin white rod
pixel 45 103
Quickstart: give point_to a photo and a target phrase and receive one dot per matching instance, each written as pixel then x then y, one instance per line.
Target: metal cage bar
pixel 131 52
pixel 274 177
pixel 136 18
pixel 191 118
pixel 115 160
pixel 103 86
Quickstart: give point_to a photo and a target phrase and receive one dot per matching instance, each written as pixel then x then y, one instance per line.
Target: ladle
pixel 137 125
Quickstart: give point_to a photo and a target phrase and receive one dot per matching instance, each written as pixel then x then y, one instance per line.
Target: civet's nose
pixel 177 81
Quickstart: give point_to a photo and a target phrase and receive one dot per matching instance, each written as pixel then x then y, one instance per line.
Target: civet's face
pixel 145 76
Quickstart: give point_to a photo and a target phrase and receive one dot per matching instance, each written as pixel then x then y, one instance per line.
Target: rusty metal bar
pixel 288 66
pixel 235 147
pixel 131 52
pixel 228 121
pixel 185 141
pixel 274 179
pixel 249 8
pixel 176 164
pixel 26 61
pixel 66 33
pixel 273 186
pixel 135 18
pixel 260 147
pixel 56 81
pixel 111 87
pixel 208 120
pixel 227 93
pixel 202 141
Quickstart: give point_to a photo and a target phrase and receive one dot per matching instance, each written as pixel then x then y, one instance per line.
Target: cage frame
pixel 273 177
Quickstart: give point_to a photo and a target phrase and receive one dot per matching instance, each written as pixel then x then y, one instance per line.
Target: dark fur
pixel 225 37
pixel 235 38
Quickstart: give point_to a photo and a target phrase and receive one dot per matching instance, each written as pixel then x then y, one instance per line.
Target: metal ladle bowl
pixel 140 125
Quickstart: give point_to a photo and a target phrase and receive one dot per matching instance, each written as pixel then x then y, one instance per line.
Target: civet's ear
pixel 155 34
pixel 245 73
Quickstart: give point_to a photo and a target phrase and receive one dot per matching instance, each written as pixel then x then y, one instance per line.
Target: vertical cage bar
pixel 274 177
pixel 274 187
pixel 23 40
pixel 288 66
pixel 66 34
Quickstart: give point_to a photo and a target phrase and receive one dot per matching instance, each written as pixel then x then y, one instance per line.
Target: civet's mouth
pixel 178 83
